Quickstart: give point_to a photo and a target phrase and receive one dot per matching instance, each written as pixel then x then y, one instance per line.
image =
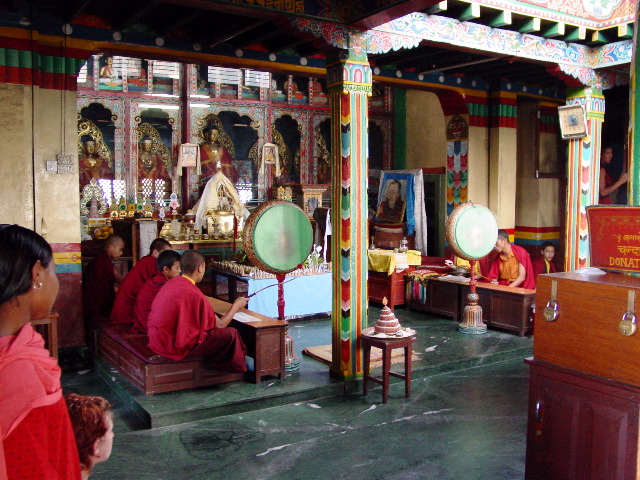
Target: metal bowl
pixel 460 271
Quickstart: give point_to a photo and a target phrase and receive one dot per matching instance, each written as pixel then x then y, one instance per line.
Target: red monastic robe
pixel 145 298
pixel 539 266
pixel 98 281
pixel 523 257
pixel 182 324
pixel 125 302
pixel 37 440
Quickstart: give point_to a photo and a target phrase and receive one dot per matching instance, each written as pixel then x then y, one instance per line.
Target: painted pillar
pixel 634 112
pixel 583 176
pixel 503 124
pixel 349 85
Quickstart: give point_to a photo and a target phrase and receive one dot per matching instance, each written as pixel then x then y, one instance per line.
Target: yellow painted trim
pixel 357 62
pixel 67 257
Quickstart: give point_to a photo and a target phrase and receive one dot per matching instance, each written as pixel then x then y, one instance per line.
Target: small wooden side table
pixel 387 345
pixel 51 336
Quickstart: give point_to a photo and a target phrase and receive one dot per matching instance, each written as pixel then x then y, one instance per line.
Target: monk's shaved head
pixel 159 245
pixel 190 261
pixel 112 241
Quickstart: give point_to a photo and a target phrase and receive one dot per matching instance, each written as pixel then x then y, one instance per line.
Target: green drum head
pixel 281 238
pixel 472 231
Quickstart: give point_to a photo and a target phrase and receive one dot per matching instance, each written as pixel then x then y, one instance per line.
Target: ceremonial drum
pixel 277 237
pixel 471 231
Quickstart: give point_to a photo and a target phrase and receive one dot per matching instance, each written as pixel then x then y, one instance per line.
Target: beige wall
pixel 502 175
pixel 16 171
pixel 478 165
pixel 426 138
pixel 30 137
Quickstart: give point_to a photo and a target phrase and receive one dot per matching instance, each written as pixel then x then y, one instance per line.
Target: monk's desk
pixel 264 340
pixel 507 308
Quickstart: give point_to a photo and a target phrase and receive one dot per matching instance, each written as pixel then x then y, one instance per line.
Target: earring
pixel 37 285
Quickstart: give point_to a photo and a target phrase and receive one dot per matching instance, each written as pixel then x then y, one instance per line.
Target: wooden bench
pixel 151 373
pixel 508 308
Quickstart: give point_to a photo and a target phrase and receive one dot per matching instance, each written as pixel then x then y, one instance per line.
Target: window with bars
pixel 229 76
pixel 166 69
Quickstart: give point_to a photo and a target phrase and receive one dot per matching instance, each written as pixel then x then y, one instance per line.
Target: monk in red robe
pixel 36 437
pixel 142 271
pixel 513 266
pixel 100 280
pixel 168 267
pixel 182 323
pixel 545 264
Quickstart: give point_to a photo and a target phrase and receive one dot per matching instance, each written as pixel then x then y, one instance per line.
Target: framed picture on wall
pixel 573 121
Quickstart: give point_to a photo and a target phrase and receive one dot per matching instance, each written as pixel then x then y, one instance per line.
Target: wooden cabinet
pixel 439 297
pixel 581 427
pixel 584 390
pixel 585 335
pixel 508 308
pixel 391 286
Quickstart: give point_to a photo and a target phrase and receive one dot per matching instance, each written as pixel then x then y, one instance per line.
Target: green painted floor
pixel 465 419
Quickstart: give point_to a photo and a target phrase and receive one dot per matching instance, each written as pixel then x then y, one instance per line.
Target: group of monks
pixel 159 298
pixel 513 266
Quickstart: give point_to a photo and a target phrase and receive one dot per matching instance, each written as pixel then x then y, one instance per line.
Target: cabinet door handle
pixel 538 410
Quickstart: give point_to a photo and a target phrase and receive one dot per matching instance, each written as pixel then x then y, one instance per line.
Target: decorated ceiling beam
pixel 470 13
pixel 555 30
pixel 533 25
pixel 625 31
pixel 598 37
pixel 438 7
pixel 503 18
pixel 592 14
pixel 443 30
pixel 579 33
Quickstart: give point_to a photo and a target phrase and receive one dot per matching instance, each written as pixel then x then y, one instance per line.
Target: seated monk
pixel 168 264
pixel 182 323
pixel 545 264
pixel 100 280
pixel 513 265
pixel 142 271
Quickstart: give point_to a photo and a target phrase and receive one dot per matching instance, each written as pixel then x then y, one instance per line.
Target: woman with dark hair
pixel 92 422
pixel 607 186
pixel 37 439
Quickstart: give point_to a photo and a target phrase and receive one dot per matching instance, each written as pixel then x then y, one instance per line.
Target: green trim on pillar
pixel 399 129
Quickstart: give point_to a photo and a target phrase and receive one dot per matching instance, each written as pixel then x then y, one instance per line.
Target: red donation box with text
pixel 614 237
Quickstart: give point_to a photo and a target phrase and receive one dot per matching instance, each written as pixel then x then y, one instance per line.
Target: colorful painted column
pixel 583 176
pixel 349 85
pixel 634 114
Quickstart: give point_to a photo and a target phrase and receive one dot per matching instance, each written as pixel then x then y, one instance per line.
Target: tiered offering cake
pixel 387 323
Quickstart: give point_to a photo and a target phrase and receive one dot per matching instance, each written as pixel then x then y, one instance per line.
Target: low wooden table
pixel 264 340
pixel 503 307
pixel 386 345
